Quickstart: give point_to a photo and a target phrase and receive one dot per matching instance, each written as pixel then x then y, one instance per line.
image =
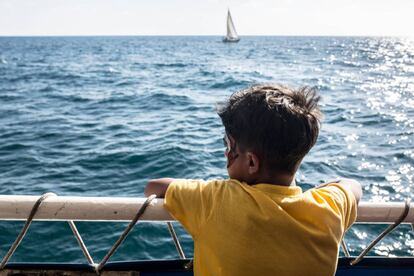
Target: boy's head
pixel 269 129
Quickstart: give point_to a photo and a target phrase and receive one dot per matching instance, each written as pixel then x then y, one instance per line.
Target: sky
pixel 206 17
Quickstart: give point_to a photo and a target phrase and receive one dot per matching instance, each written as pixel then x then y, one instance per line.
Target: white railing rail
pixel 18 207
pixel 61 206
pixel 52 207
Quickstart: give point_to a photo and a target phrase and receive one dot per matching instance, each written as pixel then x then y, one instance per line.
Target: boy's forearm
pixel 157 186
pixel 353 185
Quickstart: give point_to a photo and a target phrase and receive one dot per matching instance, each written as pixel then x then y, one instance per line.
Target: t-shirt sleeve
pixel 189 202
pixel 342 201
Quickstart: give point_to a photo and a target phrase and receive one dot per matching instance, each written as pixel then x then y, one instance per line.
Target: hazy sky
pixel 197 17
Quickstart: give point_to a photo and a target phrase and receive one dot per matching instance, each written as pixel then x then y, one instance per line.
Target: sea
pixel 100 116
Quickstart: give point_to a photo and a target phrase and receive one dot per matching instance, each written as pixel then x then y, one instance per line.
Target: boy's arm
pixel 351 184
pixel 189 201
pixel 342 196
pixel 157 186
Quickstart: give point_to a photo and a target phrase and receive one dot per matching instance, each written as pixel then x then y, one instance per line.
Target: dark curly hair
pixel 279 124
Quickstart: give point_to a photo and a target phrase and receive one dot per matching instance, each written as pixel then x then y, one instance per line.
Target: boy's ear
pixel 254 164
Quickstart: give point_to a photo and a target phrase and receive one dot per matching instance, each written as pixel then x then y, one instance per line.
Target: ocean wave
pixel 50 75
pixel 13 147
pixel 228 82
pixel 170 65
pixel 162 99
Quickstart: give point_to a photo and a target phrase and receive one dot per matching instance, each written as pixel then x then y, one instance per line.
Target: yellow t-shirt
pixel 262 229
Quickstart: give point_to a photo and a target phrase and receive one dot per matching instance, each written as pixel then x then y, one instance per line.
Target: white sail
pixel 231 30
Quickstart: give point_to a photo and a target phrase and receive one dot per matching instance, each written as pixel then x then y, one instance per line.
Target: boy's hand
pixel 353 185
pixel 157 187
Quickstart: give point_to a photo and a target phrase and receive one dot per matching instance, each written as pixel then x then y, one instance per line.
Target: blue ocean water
pixel 99 116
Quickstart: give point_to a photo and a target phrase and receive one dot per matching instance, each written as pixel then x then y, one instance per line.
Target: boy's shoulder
pixel 335 198
pixel 192 201
pixel 200 185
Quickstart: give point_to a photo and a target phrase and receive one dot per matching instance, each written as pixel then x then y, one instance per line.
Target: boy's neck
pixel 279 179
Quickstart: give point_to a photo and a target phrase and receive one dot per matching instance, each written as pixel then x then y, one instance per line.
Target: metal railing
pixel 69 208
pixel 45 208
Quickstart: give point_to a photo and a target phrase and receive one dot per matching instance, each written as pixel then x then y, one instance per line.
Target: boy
pixel 259 222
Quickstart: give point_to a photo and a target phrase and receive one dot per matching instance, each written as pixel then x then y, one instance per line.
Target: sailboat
pixel 231 30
